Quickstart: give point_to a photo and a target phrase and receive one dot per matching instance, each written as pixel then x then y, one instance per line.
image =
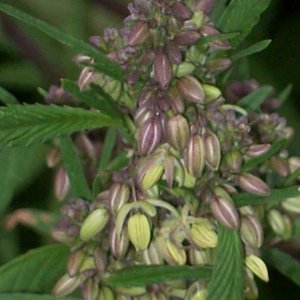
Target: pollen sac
pixel 191 89
pixel 212 151
pixel 162 69
pixel 178 132
pixel 93 224
pixel 139 231
pixel 253 185
pixel 194 155
pixel 149 136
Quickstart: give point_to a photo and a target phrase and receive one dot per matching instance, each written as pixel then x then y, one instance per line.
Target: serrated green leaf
pixel 108 146
pixel 284 95
pixel 144 275
pixel 255 48
pixel 119 162
pixel 218 9
pixel 34 272
pixel 18 168
pixel 104 103
pixel 25 296
pixel 284 263
pixel 254 162
pixel 241 16
pixel 74 168
pixel 227 281
pixel 254 100
pixel 7 98
pixel 108 66
pixel 292 177
pixel 275 196
pixel 29 124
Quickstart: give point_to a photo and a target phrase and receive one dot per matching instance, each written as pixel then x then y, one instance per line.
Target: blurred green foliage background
pixel 29 59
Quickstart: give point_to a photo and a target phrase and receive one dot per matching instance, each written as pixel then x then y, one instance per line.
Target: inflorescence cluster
pixel 187 161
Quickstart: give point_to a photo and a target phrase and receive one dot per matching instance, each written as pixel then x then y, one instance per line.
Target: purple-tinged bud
pixel 106 293
pixel 205 6
pixel 253 185
pixel 151 255
pixel 234 160
pixel 139 34
pixel 212 151
pixel 118 243
pixel 251 231
pixel 178 132
pixel 85 146
pixel 187 38
pixel 223 209
pixel 169 169
pixel 218 44
pixel 176 101
pixel 280 166
pixel 294 163
pixel 180 11
pixel 90 289
pixel 194 156
pixel 98 42
pixel 149 136
pixel 191 89
pixel 75 261
pixel 145 97
pixel 53 157
pixel 162 69
pixel 119 195
pixel 199 257
pixel 100 259
pixel 87 76
pixel 257 150
pixel 218 65
pixel 174 54
pixel 142 115
pixel 66 285
pixel 62 185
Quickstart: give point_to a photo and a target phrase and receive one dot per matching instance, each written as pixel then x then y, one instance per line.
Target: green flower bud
pixel 203 234
pixel 176 254
pixel 66 285
pixel 93 224
pixel 251 290
pixel 152 256
pixel 106 294
pixel 234 160
pixel 200 295
pixel 212 93
pixel 292 205
pixel 132 291
pixel 199 257
pixel 280 223
pixel 251 231
pixel 257 266
pixel 184 69
pixel 178 132
pixel 139 231
pixel 75 261
pixel 152 176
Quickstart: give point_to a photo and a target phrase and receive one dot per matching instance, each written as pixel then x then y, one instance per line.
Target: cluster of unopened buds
pixel 186 164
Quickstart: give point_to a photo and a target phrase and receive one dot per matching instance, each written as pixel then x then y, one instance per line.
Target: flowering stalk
pixel 187 137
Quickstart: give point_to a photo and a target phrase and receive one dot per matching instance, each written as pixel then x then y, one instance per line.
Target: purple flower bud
pixel 62 185
pixel 180 11
pixel 149 136
pixel 162 69
pixel 66 285
pixel 280 166
pixel 224 210
pixel 187 38
pixel 212 151
pixel 194 155
pixel 169 170
pixel 75 261
pixel 90 289
pixel 218 65
pixel 98 42
pixel 118 244
pixel 253 185
pixel 53 157
pixel 138 34
pixel 142 115
pixel 174 54
pixel 251 231
pixel 146 97
pixel 119 195
pixel 205 6
pixel 191 89
pixel 176 101
pixel 257 150
pixel 178 132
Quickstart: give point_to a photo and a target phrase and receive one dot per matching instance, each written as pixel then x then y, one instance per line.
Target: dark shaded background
pixel 28 60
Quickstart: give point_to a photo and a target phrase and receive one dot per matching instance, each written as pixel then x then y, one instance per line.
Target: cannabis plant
pixel 190 188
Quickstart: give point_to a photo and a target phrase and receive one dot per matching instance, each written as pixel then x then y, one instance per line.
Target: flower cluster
pixel 186 164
